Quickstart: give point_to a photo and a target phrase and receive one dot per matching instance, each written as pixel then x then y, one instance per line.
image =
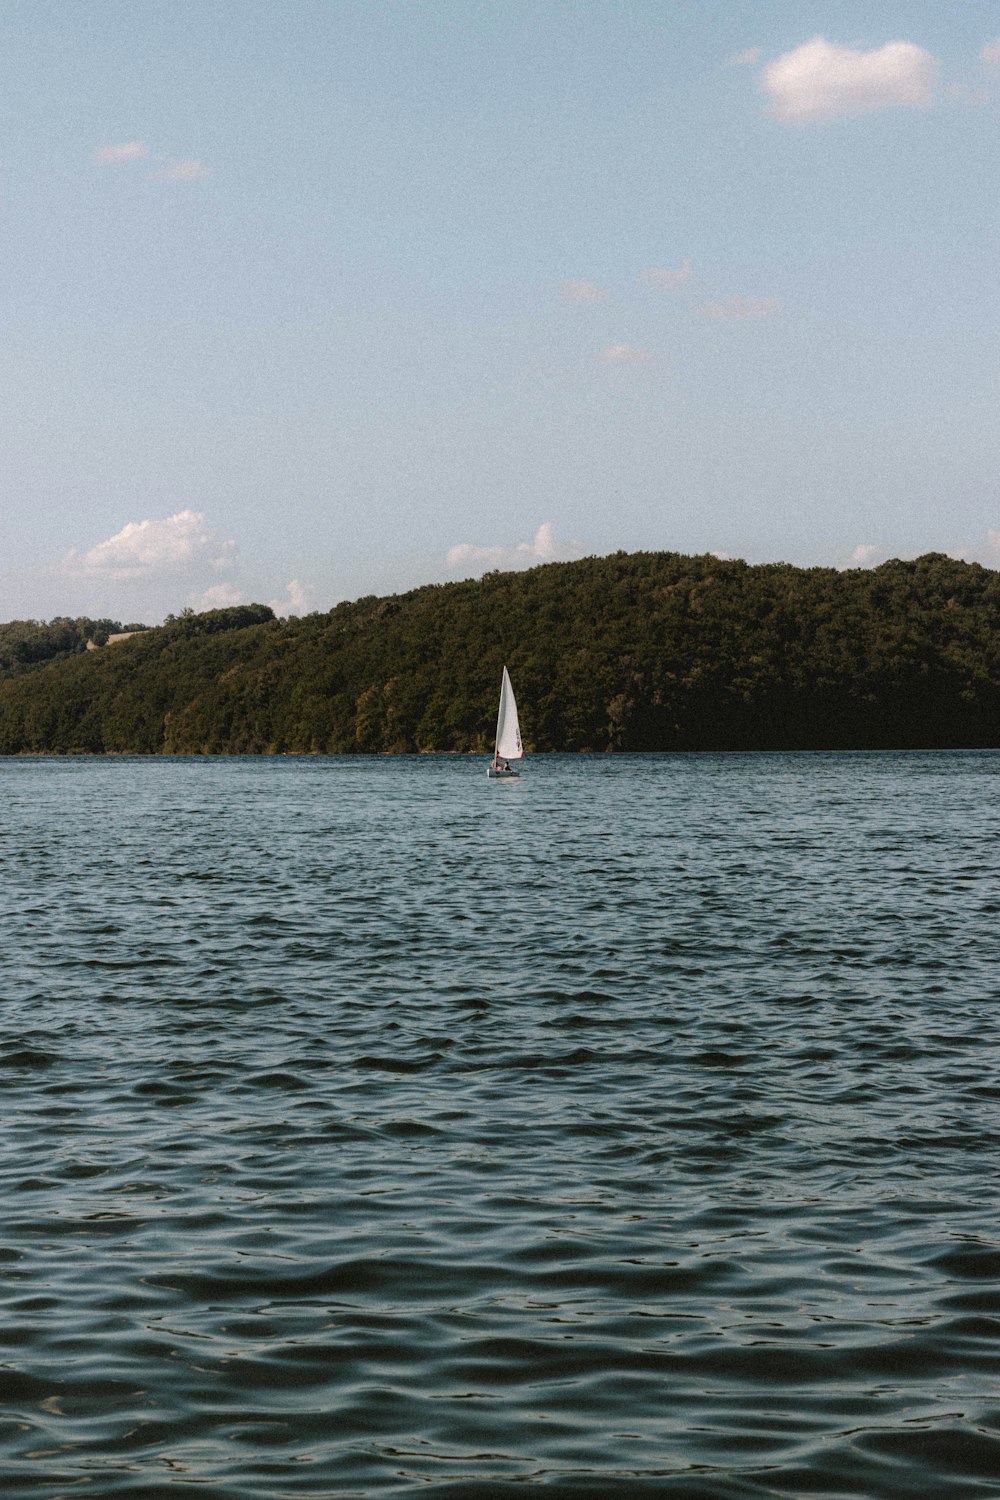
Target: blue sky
pixel 317 299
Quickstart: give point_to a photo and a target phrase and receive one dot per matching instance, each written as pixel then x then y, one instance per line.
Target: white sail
pixel 508 729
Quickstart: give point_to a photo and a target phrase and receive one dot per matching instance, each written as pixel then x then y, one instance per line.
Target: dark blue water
pixel 370 1129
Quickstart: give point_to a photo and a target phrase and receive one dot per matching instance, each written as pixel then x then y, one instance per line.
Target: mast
pixel 500 708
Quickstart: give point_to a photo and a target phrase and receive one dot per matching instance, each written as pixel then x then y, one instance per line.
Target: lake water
pixel 370 1129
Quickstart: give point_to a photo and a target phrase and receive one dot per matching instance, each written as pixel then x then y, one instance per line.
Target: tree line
pixel 649 651
pixel 26 643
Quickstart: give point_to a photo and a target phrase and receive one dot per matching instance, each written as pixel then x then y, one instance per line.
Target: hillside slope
pixel 629 652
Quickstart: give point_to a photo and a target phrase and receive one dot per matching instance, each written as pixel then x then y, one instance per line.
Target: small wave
pixel 28 1058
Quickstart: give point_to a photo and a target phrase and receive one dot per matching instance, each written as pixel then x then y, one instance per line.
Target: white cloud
pixel 584 291
pixel 219 596
pixel 125 151
pixel 819 80
pixel 179 543
pixel 188 169
pixel 985 551
pixel 543 548
pixel 150 568
pixel 664 276
pixel 990 53
pixel 867 555
pixel 624 354
pixel 298 602
pixel 742 59
pixel 739 309
pixel 182 171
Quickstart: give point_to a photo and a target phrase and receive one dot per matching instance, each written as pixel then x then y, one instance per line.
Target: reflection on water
pixel 370 1129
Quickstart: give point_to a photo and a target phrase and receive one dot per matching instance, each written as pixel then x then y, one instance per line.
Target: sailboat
pixel 508 746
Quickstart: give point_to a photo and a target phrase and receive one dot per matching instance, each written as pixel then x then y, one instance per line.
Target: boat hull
pixel 495 775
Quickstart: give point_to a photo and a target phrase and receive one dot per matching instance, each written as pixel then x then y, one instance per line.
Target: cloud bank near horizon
pixel 180 543
pixel 149 566
pixel 985 551
pixel 152 567
pixel 544 547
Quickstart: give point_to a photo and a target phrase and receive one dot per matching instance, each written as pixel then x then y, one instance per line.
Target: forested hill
pixel 644 652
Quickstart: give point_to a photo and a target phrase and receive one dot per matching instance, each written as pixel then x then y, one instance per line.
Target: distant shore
pixel 643 652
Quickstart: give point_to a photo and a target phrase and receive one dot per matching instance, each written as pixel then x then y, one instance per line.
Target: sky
pixel 311 300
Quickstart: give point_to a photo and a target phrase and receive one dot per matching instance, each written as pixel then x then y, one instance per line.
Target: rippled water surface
pixel 370 1129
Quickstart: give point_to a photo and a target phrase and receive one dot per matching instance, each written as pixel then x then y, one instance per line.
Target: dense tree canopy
pixel 642 652
pixel 25 643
